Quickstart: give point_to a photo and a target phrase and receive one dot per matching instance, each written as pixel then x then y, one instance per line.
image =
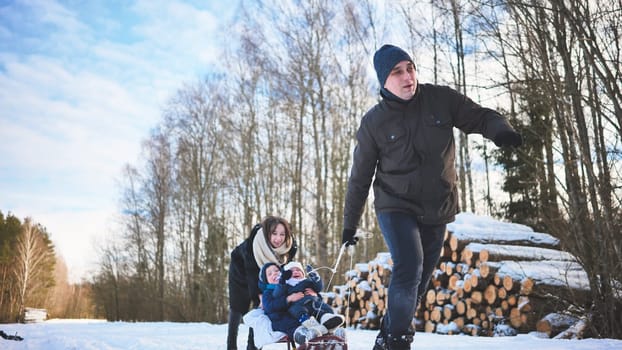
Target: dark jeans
pixel 415 249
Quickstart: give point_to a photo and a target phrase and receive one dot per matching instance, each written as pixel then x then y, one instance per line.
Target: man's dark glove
pixel 348 238
pixel 508 138
pixel 285 275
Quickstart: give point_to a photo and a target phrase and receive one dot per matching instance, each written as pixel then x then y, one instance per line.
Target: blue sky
pixel 82 83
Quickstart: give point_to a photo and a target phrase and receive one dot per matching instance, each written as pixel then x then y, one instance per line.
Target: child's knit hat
pixel 263 278
pixel 290 265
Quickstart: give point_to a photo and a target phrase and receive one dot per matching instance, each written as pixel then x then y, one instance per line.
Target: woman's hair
pixel 270 223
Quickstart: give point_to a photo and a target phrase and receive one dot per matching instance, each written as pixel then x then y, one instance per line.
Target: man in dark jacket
pixel 407 142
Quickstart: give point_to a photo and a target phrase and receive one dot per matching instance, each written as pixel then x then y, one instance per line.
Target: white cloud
pixel 52 12
pixel 52 110
pixel 78 94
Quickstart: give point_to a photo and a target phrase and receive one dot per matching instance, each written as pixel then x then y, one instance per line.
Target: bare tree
pixel 158 188
pixel 195 120
pixel 34 263
pixel 556 64
pixel 275 133
pixel 108 284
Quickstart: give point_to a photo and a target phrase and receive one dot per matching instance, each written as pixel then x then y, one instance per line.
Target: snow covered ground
pixel 101 335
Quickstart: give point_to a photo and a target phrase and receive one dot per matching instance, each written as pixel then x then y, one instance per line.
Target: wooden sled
pixel 291 345
pixel 325 342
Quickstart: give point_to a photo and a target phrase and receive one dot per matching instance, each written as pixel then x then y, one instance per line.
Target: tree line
pixel 32 275
pixel 272 132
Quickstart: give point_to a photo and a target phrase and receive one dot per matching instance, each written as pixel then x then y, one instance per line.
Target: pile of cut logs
pixel 486 283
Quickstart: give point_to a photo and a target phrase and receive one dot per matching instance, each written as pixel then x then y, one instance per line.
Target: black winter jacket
pixel 410 148
pixel 244 274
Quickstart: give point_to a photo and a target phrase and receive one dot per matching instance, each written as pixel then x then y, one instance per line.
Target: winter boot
pixel 250 345
pixel 331 321
pixel 312 323
pixel 401 342
pixel 381 338
pixel 303 334
pixel 381 341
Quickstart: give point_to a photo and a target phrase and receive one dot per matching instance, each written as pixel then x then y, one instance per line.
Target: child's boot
pixel 331 321
pixel 312 323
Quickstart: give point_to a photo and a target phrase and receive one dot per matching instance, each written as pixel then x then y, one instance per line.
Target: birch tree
pixel 34 265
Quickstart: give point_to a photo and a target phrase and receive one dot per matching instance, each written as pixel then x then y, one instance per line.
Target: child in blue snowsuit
pixel 275 307
pixel 293 280
pixel 288 304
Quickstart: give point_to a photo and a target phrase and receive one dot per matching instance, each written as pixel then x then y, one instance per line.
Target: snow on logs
pixel 493 278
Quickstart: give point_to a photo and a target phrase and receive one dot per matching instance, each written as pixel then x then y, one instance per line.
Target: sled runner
pixel 325 342
pixel 290 343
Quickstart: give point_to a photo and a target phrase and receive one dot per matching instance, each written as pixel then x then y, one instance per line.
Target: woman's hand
pixel 294 297
pixel 311 292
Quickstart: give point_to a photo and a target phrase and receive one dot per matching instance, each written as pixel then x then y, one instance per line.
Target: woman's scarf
pixel 264 253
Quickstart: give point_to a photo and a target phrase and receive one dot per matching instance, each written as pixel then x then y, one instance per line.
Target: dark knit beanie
pixel 386 58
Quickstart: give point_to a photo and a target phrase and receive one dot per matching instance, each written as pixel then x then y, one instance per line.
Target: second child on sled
pixel 292 302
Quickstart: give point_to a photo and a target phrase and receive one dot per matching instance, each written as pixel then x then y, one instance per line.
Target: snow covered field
pixel 101 335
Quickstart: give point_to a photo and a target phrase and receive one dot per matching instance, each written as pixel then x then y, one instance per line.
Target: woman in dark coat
pixel 269 241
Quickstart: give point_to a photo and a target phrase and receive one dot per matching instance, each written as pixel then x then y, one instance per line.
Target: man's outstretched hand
pixel 508 138
pixel 348 238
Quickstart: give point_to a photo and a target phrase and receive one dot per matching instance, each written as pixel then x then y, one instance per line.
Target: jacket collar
pixel 394 102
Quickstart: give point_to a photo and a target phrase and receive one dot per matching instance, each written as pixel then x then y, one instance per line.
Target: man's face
pixel 402 81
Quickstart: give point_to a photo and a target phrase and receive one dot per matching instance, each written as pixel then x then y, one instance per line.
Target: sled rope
pixel 360 234
pixel 333 270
